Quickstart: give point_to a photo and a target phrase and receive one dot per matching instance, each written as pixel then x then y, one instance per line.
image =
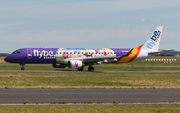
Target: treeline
pixel 3 54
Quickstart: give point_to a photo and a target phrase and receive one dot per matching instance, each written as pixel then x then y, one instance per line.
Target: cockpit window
pixel 16 52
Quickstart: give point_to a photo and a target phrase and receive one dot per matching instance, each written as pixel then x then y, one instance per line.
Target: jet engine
pixel 75 64
pixel 56 65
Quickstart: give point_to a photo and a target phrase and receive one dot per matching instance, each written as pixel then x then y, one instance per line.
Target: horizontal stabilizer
pixel 159 52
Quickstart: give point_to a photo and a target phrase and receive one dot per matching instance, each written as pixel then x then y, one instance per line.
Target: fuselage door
pixel 29 53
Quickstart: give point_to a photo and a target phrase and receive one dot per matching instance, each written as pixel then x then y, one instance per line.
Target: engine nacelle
pixel 56 65
pixel 75 64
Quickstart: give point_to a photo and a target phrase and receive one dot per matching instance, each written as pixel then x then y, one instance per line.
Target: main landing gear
pixel 22 68
pixel 80 69
pixel 91 69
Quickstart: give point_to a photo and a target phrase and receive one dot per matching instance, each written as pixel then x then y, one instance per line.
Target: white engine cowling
pixel 75 64
pixel 56 65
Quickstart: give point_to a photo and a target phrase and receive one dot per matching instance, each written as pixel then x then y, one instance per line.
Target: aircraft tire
pixel 80 69
pixel 22 68
pixel 91 69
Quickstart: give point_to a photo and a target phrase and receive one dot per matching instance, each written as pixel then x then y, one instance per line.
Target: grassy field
pixel 91 109
pixel 88 80
pixel 2 60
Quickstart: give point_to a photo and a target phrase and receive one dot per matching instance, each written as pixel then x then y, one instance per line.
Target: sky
pixel 87 23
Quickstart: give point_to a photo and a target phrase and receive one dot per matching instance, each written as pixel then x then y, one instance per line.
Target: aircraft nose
pixel 7 59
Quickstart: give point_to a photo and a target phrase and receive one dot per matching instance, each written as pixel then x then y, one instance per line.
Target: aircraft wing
pixel 88 60
pixel 160 52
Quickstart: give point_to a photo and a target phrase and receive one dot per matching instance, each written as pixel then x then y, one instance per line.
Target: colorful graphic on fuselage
pixel 65 54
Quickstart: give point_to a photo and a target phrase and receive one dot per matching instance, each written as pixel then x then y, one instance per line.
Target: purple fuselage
pixel 48 55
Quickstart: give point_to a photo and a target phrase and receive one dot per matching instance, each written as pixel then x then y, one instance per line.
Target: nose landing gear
pixel 22 68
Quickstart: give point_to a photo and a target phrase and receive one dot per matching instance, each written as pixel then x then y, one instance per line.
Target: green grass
pixel 88 80
pixel 91 109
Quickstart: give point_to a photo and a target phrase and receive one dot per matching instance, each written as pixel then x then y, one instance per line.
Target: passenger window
pixel 117 52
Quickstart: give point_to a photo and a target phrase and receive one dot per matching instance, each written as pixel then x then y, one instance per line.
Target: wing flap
pixel 97 59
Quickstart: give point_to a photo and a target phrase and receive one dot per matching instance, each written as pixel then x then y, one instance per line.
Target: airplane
pixel 77 58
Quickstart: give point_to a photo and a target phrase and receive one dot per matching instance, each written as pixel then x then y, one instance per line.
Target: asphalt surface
pixel 93 95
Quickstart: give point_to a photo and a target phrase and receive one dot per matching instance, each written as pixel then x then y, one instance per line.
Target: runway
pixel 100 71
pixel 9 96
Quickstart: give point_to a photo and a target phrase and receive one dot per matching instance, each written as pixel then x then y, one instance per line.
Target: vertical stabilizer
pixel 154 40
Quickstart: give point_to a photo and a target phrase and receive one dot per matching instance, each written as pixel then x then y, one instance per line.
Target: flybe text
pixel 154 39
pixel 43 53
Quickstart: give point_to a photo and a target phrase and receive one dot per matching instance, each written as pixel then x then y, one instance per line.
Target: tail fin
pixel 154 41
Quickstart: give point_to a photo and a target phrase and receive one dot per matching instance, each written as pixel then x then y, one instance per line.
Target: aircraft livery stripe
pixel 137 53
pixel 132 54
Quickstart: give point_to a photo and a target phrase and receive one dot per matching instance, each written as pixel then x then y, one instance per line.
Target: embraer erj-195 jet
pixel 77 58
